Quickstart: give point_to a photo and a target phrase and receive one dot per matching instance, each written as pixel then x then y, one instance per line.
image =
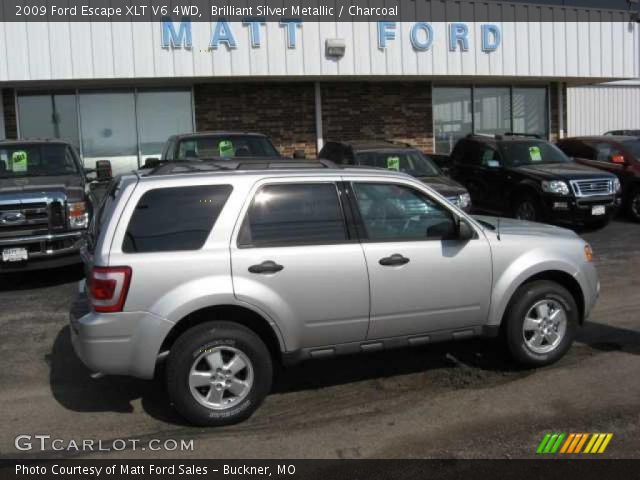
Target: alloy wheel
pixel 544 326
pixel 526 211
pixel 221 377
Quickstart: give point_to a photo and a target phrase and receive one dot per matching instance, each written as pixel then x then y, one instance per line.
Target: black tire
pixel 527 207
pixel 633 204
pixel 211 336
pixel 523 300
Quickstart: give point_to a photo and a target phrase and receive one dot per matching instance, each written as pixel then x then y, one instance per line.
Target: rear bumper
pixel 126 343
pixel 45 251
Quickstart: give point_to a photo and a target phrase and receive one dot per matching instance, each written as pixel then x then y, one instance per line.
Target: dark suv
pixel 533 180
pixel 619 155
pixel 398 157
pixel 44 204
pixel 216 145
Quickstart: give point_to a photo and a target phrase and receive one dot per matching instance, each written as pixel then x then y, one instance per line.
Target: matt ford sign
pixel 250 32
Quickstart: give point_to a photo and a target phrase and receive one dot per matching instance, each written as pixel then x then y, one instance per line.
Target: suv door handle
pixel 268 266
pixel 394 260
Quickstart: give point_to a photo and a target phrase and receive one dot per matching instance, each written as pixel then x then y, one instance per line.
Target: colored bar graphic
pixel 573 443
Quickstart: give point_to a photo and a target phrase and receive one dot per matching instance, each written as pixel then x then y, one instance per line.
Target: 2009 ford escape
pixel 231 269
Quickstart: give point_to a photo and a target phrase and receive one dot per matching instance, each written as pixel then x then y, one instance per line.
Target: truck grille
pixel 590 188
pixel 29 218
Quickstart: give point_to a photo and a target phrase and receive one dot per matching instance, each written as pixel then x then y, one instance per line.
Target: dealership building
pixel 117 90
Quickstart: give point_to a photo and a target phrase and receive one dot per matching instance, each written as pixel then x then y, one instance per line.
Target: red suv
pixel 619 155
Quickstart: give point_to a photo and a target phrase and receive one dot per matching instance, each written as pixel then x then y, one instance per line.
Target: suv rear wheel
pixel 634 204
pixel 218 373
pixel 541 323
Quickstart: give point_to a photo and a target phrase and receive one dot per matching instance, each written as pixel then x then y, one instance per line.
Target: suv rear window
pixel 175 219
pixel 294 214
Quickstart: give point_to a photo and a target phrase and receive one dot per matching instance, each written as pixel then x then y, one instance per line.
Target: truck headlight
pixel 555 186
pixel 78 215
pixel 616 185
pixel 464 201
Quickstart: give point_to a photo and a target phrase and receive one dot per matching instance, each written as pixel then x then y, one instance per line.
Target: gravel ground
pixel 454 400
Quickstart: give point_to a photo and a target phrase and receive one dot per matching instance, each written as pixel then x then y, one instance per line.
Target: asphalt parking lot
pixel 460 400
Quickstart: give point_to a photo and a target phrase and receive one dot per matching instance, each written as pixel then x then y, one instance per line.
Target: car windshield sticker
pixel 393 163
pixel 19 161
pixel 226 148
pixel 535 154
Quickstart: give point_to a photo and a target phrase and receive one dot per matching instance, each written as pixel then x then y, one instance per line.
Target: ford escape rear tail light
pixel 108 288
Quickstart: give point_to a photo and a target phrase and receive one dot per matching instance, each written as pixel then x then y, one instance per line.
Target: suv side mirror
pixel 103 171
pixel 465 231
pixel 151 162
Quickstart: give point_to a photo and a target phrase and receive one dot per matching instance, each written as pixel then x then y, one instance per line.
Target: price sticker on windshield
pixel 19 161
pixel 535 154
pixel 393 163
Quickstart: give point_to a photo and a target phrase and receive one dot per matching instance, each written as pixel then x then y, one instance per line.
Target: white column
pixel 561 126
pixel 319 134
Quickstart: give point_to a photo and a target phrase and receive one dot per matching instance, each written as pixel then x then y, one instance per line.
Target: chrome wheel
pixel 221 377
pixel 544 326
pixel 526 211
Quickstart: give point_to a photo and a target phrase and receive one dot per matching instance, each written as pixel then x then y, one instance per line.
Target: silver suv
pixel 227 270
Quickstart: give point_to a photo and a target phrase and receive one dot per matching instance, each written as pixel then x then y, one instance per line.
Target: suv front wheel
pixel 218 373
pixel 541 323
pixel 527 207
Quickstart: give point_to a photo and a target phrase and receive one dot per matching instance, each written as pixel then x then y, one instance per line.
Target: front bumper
pixel 578 211
pixel 126 343
pixel 44 251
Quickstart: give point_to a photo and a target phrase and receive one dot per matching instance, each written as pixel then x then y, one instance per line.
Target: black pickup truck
pixel 45 204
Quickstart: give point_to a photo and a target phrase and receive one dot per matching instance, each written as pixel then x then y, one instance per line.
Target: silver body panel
pixel 327 297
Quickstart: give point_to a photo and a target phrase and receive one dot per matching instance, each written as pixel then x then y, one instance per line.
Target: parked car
pixel 398 157
pixel 225 273
pixel 624 133
pixel 531 179
pixel 619 155
pixel 45 204
pixel 217 145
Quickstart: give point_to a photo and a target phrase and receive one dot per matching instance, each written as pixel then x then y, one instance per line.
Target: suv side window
pixel 489 156
pixel 605 152
pixel 174 219
pixel 294 214
pixel 392 212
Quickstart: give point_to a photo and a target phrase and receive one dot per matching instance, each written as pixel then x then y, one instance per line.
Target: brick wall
pixel 9 109
pixel 284 111
pixel 399 111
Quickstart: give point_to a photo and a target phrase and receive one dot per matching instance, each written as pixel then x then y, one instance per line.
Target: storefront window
pixel 494 110
pixel 491 110
pixel 452 116
pixel 530 110
pixel 49 116
pixel 160 115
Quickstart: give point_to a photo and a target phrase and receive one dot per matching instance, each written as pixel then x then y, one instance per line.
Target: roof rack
pixel 204 166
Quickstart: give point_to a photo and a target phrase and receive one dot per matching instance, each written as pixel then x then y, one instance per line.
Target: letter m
pixel 176 39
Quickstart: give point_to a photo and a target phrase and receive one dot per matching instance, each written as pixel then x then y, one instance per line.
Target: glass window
pixel 518 153
pixel 395 212
pixel 36 160
pixel 530 111
pixel 411 162
pixel 160 115
pixel 175 219
pixel 295 214
pixel 108 124
pixel 492 110
pixel 452 116
pixel 634 147
pixel 49 116
pixel 226 146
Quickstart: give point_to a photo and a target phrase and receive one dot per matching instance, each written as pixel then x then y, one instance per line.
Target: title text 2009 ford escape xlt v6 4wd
pixel 230 271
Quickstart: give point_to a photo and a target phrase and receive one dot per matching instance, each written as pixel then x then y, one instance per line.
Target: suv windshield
pixel 36 160
pixel 519 153
pixel 411 162
pixel 634 147
pixel 226 146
